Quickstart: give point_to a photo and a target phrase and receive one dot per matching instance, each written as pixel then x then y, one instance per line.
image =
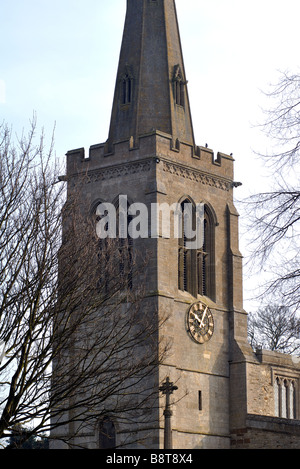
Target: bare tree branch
pixel 283 122
pixel 274 216
pixel 275 328
pixel 74 350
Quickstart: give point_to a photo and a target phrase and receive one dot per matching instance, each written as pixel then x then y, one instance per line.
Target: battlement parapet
pixel 155 144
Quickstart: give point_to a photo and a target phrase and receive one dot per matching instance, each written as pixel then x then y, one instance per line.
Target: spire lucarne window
pixel 126 88
pixel 144 88
pixel 179 86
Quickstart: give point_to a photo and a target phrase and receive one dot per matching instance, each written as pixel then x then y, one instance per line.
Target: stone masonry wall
pixel 267 433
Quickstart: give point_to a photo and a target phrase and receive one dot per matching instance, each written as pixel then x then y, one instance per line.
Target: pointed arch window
pixel 205 257
pixel 179 86
pixel 196 265
pixel 125 245
pixel 126 88
pixel 107 434
pixel 185 255
pixel 115 245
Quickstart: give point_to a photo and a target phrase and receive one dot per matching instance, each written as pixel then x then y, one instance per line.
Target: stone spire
pixel 151 92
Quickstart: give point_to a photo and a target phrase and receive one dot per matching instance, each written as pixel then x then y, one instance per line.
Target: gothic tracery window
pixel 126 88
pixel 185 254
pixel 196 265
pixel 179 86
pixel 115 246
pixel 125 245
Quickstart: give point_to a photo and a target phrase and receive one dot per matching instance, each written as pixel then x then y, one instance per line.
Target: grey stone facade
pixel 225 394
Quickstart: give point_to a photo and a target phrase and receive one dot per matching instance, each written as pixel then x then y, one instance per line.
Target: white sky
pixel 59 58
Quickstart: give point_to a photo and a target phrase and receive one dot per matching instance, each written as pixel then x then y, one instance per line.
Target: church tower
pixel 151 157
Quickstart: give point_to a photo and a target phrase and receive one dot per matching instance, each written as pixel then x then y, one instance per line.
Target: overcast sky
pixel 59 59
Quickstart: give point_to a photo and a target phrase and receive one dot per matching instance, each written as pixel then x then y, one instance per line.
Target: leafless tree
pixel 75 337
pixel 275 214
pixel 283 121
pixel 275 328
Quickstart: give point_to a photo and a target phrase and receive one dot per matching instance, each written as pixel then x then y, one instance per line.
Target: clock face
pixel 200 322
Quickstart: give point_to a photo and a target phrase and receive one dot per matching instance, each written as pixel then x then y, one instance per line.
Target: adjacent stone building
pixel 228 396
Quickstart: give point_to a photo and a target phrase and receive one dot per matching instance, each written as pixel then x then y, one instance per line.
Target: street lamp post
pixel 168 388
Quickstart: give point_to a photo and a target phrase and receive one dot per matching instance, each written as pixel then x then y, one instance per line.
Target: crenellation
pixel 153 145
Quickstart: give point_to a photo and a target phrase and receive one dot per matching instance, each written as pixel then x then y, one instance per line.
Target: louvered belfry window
pixel 125 246
pixel 195 266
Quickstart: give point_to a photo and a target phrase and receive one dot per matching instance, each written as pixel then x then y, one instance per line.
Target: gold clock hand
pixel 197 317
pixel 203 316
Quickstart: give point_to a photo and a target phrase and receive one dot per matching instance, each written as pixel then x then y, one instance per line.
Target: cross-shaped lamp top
pixel 168 387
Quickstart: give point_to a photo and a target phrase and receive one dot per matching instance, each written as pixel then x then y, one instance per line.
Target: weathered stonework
pixel 225 394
